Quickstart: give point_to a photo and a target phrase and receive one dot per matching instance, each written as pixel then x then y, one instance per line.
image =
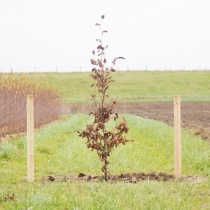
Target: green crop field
pixel 131 86
pixel 59 151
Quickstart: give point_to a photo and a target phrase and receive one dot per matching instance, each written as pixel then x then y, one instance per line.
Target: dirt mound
pixel 125 178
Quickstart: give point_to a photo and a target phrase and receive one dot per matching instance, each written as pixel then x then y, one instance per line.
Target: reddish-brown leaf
pixel 114 102
pixel 99 47
pixel 93 62
pixel 100 63
pixel 114 61
pixel 112 69
pixel 93 95
pixel 100 54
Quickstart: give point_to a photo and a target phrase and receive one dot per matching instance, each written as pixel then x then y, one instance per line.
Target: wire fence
pixel 13 95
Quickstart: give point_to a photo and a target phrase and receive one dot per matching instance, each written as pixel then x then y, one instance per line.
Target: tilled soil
pixel 194 115
pixel 126 178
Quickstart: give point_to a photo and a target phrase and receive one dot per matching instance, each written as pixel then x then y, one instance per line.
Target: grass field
pixel 133 86
pixel 58 150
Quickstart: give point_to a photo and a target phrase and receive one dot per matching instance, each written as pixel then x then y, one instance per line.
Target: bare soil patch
pixel 125 178
pixel 195 116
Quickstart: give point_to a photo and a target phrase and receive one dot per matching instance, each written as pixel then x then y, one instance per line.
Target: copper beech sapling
pixel 98 136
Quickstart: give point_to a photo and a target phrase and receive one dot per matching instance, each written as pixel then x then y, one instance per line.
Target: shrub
pixel 98 136
pixel 13 91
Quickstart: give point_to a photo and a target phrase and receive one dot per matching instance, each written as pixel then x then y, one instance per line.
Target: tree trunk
pixel 105 169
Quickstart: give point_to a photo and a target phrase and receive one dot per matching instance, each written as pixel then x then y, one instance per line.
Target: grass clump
pixel 6 150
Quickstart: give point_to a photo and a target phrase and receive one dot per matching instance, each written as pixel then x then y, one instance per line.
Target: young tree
pixel 98 136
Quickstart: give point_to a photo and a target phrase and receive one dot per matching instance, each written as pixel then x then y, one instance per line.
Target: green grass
pixel 58 150
pixel 133 86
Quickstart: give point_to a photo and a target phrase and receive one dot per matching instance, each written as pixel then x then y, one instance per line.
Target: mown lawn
pixel 58 150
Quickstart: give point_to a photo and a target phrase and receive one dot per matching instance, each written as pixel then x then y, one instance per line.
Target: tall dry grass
pixel 14 89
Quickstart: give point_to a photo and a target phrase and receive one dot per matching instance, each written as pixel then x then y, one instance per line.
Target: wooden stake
pixel 177 137
pixel 30 139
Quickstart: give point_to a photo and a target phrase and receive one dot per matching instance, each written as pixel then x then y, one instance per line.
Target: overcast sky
pixel 41 35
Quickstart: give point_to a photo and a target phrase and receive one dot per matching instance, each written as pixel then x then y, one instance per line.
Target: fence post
pixel 30 139
pixel 177 137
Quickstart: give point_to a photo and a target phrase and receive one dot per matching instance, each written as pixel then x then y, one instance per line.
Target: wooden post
pixel 177 137
pixel 30 139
